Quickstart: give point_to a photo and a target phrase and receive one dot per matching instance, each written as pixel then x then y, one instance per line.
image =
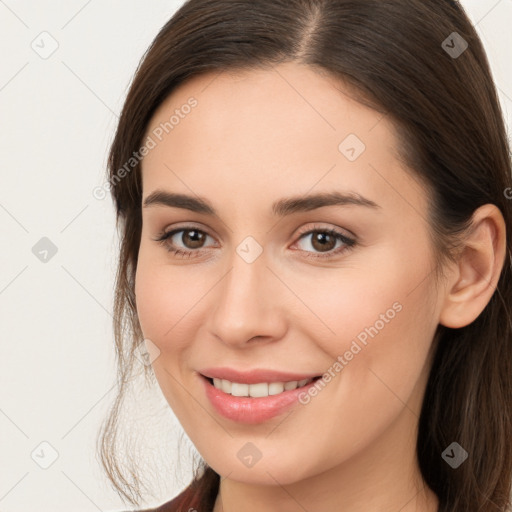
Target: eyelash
pixel 163 238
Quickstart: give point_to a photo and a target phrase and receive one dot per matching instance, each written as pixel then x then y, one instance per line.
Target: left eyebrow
pixel 280 208
pixel 291 205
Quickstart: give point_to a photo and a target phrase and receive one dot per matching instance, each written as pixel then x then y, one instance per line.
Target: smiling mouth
pixel 258 390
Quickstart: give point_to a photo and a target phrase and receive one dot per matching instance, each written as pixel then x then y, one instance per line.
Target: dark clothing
pixel 187 501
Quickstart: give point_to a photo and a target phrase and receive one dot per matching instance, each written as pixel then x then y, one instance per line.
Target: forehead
pixel 258 131
pixel 260 102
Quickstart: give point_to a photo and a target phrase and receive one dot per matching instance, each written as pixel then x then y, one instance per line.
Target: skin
pixel 255 137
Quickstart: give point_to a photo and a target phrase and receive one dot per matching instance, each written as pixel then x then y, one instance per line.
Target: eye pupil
pixel 197 238
pixel 320 238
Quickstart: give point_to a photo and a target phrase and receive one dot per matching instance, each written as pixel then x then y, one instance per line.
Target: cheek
pixel 165 298
pixel 150 297
pixel 357 303
pixel 171 306
pixel 166 316
pixel 380 325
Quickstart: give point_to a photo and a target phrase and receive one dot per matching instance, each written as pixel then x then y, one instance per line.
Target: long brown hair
pixel 396 55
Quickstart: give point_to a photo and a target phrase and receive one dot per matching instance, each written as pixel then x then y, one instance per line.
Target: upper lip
pixel 254 376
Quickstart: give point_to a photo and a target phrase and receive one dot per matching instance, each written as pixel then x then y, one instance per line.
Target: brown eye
pixel 191 240
pixel 195 241
pixel 324 241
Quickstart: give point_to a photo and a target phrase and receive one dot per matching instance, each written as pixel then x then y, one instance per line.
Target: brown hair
pixel 452 136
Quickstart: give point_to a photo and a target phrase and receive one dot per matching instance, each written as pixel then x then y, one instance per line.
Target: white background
pixel 57 118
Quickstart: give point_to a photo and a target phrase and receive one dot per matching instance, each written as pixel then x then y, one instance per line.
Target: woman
pixel 315 249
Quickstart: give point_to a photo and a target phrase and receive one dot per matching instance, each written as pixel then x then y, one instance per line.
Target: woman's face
pixel 265 294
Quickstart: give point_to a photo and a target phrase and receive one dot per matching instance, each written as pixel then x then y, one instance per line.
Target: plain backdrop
pixel 57 264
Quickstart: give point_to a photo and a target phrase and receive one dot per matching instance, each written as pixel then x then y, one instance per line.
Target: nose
pixel 248 304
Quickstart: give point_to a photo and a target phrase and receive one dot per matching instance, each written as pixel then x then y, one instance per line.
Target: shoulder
pixel 186 497
pixel 200 494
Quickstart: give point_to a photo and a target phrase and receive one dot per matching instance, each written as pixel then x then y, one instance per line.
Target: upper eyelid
pixel 301 232
pixel 315 227
pixel 187 227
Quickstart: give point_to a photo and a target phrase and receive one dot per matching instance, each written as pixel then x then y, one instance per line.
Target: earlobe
pixel 479 267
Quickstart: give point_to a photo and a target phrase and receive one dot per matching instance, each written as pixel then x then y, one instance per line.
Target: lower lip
pixel 252 410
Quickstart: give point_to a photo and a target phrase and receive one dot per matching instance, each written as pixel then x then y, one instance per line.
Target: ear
pixel 477 270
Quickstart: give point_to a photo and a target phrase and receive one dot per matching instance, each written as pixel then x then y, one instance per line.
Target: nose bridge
pixel 246 300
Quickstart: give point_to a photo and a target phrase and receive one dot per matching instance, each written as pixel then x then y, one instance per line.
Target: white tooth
pixel 226 386
pixel 238 389
pixel 275 387
pixel 290 385
pixel 258 390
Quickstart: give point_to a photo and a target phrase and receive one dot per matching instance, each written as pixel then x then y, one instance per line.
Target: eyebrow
pixel 280 208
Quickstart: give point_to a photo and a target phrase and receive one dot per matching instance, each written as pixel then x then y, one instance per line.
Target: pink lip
pixel 254 376
pixel 253 410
